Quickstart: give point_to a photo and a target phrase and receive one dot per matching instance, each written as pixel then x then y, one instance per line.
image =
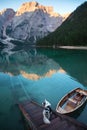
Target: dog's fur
pixel 46 112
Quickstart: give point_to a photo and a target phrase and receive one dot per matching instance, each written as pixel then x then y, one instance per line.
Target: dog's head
pixel 46 103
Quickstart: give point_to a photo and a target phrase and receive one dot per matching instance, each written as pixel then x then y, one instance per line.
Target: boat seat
pixel 72 100
pixel 79 97
pixel 71 104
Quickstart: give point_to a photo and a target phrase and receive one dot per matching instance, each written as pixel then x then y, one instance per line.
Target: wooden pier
pixel 32 113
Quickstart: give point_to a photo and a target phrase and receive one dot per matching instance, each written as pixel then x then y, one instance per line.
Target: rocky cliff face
pixel 5 16
pixel 33 21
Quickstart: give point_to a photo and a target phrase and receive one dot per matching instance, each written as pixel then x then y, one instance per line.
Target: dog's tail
pixel 46 120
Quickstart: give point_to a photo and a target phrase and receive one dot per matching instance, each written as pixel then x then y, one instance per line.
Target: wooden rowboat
pixel 72 101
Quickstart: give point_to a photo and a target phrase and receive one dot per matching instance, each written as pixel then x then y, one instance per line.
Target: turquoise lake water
pixel 38 74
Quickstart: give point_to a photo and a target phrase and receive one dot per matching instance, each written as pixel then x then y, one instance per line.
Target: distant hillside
pixel 73 30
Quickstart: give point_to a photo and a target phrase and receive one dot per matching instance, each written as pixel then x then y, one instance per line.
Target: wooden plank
pixel 33 114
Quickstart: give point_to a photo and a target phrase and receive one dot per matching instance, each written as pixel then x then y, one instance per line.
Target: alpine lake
pixel 38 74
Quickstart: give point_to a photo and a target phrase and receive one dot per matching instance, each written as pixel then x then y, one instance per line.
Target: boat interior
pixel 74 101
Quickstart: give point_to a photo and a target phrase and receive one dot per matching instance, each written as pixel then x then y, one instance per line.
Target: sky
pixel 60 6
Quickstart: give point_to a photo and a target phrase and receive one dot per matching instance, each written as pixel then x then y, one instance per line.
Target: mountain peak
pixel 6 10
pixel 32 6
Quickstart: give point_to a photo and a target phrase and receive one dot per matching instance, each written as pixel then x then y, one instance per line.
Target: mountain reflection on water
pixel 31 74
pixel 28 63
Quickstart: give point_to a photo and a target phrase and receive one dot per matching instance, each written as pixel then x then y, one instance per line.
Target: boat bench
pixel 72 100
pixel 72 103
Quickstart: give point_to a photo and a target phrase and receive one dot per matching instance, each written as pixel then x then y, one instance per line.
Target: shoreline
pixel 74 47
pixel 65 47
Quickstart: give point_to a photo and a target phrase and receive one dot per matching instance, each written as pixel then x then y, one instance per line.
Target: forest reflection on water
pixel 28 73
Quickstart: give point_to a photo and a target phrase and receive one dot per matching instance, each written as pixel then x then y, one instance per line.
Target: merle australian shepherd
pixel 46 112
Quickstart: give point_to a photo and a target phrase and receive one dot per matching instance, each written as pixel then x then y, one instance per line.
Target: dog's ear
pixel 47 103
pixel 45 100
pixel 43 103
